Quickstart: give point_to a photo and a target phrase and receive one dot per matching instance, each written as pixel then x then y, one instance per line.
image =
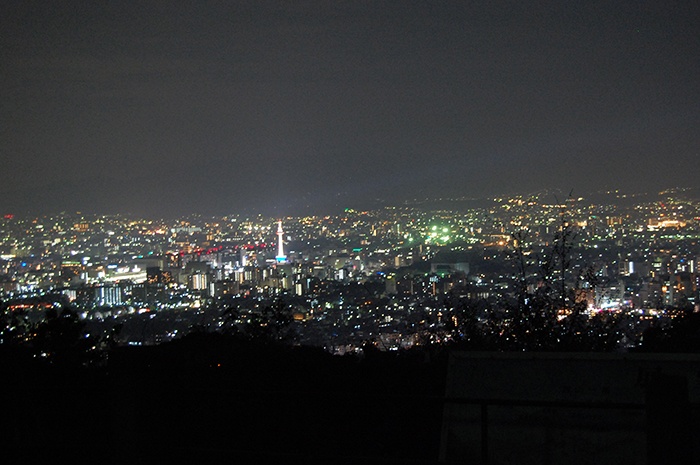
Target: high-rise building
pixel 108 295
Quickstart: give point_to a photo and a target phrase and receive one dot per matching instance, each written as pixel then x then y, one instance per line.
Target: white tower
pixel 281 257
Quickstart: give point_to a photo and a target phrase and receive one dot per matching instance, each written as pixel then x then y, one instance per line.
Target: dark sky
pixel 285 107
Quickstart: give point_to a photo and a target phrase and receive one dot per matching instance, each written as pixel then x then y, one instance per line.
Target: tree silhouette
pixel 270 323
pixel 59 338
pixel 15 326
pixel 548 311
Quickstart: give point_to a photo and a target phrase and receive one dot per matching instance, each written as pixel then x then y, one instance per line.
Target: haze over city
pixel 172 108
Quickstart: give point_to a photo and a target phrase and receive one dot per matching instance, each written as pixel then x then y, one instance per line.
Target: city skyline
pixel 362 274
pixel 289 108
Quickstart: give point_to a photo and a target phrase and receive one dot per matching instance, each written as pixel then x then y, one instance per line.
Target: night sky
pixel 166 108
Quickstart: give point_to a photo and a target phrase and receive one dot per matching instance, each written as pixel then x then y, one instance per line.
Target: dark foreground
pixel 215 399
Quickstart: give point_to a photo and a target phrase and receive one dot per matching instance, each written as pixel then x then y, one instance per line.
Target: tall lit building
pixel 281 257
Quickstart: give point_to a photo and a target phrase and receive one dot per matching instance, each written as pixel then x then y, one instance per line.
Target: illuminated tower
pixel 281 257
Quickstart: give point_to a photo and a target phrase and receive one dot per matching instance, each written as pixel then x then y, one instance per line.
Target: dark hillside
pixel 209 398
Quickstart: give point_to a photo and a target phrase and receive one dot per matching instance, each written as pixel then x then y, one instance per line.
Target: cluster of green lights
pixel 438 234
